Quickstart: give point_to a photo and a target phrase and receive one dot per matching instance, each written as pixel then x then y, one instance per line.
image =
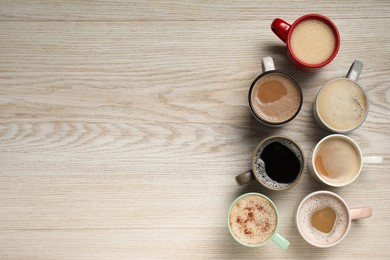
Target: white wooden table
pixel 123 124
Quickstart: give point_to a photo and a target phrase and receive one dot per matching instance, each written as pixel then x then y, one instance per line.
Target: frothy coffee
pixel 275 97
pixel 342 105
pixel 281 166
pixel 314 204
pixel 313 41
pixel 253 219
pixel 337 160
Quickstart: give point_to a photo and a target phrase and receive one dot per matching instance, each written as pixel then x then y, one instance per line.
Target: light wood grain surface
pixel 123 124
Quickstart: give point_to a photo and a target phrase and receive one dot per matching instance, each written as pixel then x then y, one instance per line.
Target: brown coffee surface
pixel 271 91
pixel 275 98
pixel 313 41
pixel 337 160
pixel 342 104
pixel 252 220
pixel 324 219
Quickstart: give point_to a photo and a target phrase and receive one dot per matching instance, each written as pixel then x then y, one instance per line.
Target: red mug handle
pixel 280 28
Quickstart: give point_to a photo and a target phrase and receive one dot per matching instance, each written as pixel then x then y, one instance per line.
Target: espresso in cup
pixel 277 164
pixel 323 218
pixel 253 221
pixel 274 97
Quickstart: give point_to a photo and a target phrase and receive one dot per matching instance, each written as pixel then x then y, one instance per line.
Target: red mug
pixel 313 45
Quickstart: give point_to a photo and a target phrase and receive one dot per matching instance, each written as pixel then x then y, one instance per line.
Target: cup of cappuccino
pixel 341 105
pixel 337 160
pixel 312 41
pixel 277 164
pixel 323 218
pixel 253 221
pixel 275 97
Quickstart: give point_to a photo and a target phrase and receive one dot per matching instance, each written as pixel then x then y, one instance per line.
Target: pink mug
pixel 312 40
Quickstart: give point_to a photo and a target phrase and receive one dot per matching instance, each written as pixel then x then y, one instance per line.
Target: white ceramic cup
pixel 341 158
pixel 317 201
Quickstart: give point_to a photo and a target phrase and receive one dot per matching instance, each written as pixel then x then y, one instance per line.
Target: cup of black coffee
pixel 277 164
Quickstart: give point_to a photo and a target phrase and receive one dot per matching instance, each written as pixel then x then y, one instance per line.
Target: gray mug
pixel 341 105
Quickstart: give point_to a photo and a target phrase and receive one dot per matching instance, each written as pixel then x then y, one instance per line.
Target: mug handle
pixel 280 28
pixel 372 159
pixel 359 213
pixel 268 64
pixel 245 177
pixel 355 70
pixel 280 241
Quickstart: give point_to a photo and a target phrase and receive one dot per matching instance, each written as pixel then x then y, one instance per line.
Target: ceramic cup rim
pixel 259 118
pixel 328 193
pixel 322 120
pixel 276 212
pixel 328 22
pixel 300 174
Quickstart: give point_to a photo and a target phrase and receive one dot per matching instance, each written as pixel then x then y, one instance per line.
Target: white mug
pixel 337 160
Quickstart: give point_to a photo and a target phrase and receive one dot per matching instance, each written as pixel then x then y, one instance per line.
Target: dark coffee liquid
pixel 281 163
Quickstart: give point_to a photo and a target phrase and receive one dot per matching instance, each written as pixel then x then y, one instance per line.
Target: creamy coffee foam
pixel 312 205
pixel 313 41
pixel 342 105
pixel 252 220
pixel 337 160
pixel 259 169
pixel 275 97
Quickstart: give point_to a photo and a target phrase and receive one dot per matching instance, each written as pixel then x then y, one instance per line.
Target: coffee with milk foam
pixel 313 41
pixel 275 97
pixel 316 203
pixel 342 104
pixel 337 160
pixel 253 219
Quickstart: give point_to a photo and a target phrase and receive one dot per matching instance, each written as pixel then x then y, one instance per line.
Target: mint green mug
pixel 253 221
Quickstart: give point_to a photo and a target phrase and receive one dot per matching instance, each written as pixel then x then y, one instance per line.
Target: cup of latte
pixel 337 160
pixel 341 105
pixel 312 40
pixel 323 218
pixel 277 164
pixel 253 221
pixel 275 97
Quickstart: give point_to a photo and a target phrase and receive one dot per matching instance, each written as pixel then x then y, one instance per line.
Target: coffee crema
pixel 318 203
pixel 337 160
pixel 342 105
pixel 313 41
pixel 275 97
pixel 278 163
pixel 253 219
